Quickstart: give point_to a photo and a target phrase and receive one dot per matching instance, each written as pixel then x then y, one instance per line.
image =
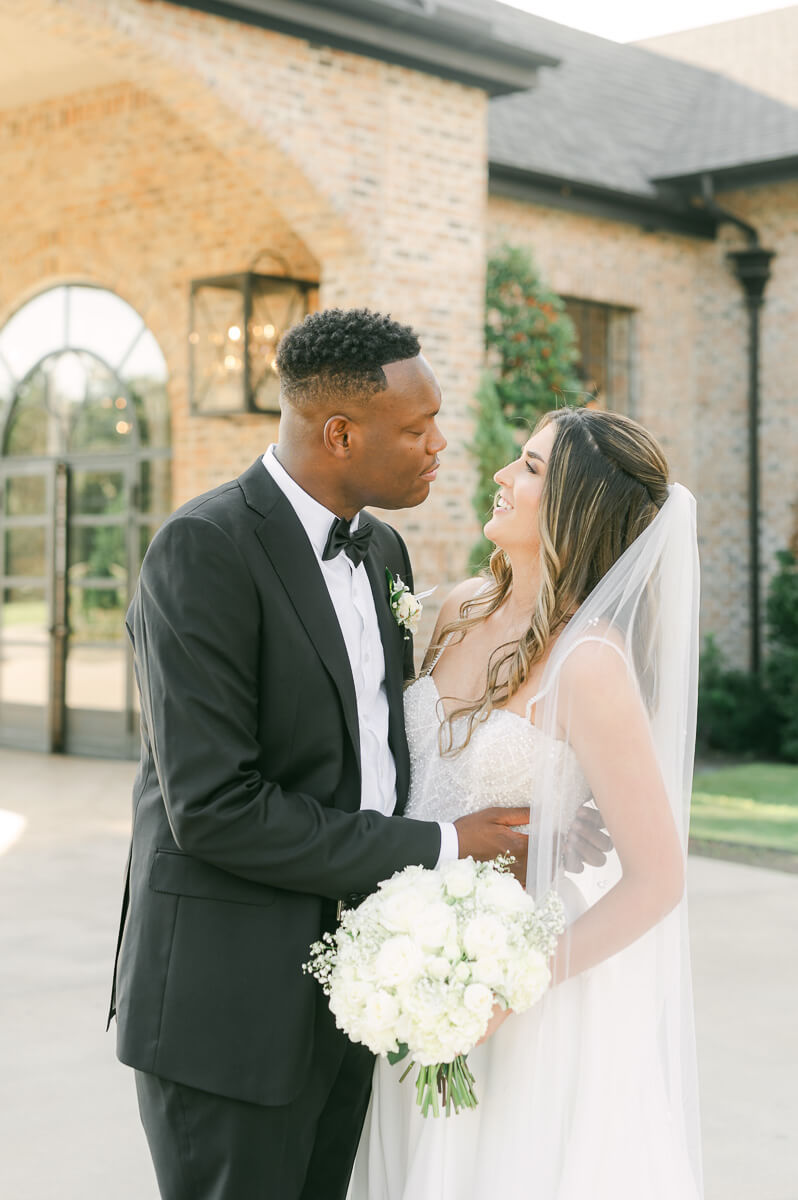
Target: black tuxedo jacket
pixel 246 806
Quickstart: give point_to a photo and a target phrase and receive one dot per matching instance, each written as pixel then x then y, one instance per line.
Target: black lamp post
pixel 752 268
pixel 236 322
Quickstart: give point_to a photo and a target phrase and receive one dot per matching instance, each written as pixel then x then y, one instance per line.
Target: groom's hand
pixel 484 835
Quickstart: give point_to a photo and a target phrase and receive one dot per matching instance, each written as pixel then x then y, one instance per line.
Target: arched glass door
pixel 85 480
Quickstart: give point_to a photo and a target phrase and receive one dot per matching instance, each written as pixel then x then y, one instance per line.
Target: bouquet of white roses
pixel 416 969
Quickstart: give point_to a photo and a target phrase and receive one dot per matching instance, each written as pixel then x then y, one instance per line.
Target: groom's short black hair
pixel 340 353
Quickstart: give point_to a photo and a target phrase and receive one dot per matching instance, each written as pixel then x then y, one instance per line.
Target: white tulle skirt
pixel 548 1126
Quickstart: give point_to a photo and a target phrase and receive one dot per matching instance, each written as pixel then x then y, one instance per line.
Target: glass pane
pixel 25 552
pixel 145 361
pixel 26 496
pixel 29 429
pixel 97 614
pixel 97 552
pixel 105 421
pixel 95 678
pixel 24 674
pixel 6 392
pixel 274 311
pixel 34 331
pixel 68 374
pixel 98 492
pixel 155 491
pixel 6 383
pixel 152 413
pixel 217 349
pixel 102 322
pixel 24 615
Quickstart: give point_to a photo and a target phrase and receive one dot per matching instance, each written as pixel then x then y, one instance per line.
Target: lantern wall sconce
pixel 236 322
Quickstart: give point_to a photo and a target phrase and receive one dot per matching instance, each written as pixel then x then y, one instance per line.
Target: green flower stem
pixel 445 1086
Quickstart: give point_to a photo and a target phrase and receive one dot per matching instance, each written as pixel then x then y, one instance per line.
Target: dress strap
pixel 437 655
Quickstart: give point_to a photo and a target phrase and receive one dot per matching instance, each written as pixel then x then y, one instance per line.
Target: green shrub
pixel 781 668
pixel 741 713
pixel 530 347
pixel 735 712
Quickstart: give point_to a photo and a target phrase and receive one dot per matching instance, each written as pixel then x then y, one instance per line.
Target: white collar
pixel 314 517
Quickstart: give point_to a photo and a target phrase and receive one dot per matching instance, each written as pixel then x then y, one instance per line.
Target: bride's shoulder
pixel 598 659
pixel 460 594
pixel 448 612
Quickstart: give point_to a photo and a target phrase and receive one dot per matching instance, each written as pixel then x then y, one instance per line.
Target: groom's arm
pixel 199 692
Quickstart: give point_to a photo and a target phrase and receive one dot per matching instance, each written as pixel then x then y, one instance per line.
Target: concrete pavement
pixel 68 1121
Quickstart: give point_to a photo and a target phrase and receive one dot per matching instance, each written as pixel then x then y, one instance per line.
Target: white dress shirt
pixel 352 599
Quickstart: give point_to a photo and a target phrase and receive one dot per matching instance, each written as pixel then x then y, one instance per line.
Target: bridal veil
pixel 613 1087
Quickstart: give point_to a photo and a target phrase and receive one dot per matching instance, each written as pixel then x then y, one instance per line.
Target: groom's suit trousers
pixel 207 1147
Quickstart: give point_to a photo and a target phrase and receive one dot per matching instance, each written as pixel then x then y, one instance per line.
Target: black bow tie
pixel 355 545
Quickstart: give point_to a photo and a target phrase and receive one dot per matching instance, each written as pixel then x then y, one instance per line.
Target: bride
pixel 569 673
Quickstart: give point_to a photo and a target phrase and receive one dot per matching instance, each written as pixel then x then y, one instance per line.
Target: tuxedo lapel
pixel 392 645
pixel 390 632
pixel 286 544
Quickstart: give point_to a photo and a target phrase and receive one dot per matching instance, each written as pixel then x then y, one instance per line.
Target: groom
pixel 274 773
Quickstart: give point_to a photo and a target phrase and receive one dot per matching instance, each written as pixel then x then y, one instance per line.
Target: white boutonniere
pixel 405 606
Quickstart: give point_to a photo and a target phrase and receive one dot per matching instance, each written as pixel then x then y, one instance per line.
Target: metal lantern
pixel 236 322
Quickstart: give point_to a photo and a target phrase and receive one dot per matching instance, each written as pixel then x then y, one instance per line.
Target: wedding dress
pixel 590 1095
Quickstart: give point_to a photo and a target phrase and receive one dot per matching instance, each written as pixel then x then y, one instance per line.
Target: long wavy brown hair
pixel 606 479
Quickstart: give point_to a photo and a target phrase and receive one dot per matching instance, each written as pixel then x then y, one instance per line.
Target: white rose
pixel 396 910
pixel 459 878
pixel 478 999
pixel 505 893
pixel 408 910
pixel 349 994
pixel 528 981
pixel 488 970
pixel 398 960
pixel 484 935
pixel 462 972
pixel 434 926
pixel 452 949
pixel 404 606
pixel 437 967
pixel 381 1010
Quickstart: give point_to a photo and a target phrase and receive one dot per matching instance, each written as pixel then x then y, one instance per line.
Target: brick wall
pixel 220 140
pixel 691 367
pixel 234 139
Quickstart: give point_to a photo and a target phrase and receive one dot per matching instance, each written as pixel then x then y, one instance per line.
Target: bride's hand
pixel 498 1018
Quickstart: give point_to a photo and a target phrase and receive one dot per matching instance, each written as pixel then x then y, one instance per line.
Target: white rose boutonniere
pixel 406 607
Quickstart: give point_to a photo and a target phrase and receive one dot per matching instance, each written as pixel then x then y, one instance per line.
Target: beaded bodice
pixel 497 767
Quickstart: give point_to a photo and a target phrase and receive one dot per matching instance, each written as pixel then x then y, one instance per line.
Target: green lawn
pixel 754 805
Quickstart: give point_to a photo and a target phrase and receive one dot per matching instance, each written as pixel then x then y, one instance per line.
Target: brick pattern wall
pixel 221 140
pixel 234 139
pixel 112 188
pixel 691 367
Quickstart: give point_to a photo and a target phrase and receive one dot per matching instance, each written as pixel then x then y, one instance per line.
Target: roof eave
pixel 774 170
pixel 668 213
pixel 439 40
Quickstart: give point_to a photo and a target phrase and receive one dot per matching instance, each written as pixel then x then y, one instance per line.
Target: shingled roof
pixel 628 120
pixel 571 112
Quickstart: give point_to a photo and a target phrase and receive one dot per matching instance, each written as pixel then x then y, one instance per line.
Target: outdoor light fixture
pixel 236 322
